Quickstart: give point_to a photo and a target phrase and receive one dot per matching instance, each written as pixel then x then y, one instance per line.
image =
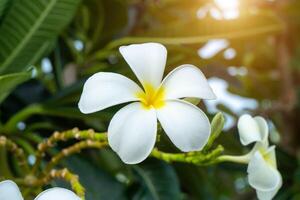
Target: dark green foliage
pixel 3 6
pixel 10 81
pixel 98 183
pixel 28 28
pixel 158 182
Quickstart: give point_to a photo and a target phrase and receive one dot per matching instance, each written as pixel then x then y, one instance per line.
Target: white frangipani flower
pixel 10 191
pixel 263 175
pixel 253 130
pixel 132 131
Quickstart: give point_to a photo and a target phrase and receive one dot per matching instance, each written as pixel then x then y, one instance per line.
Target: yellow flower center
pixel 151 97
pixel 267 157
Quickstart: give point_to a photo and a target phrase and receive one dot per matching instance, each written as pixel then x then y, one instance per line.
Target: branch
pixel 15 150
pixel 64 174
pixel 77 147
pixel 75 133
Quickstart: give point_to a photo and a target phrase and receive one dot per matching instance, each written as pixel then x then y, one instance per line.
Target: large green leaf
pixel 159 181
pixel 3 4
pixel 26 28
pixel 10 81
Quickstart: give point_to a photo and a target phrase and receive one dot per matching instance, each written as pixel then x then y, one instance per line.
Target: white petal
pixel 185 124
pixel 271 156
pixel 263 128
pixel 147 61
pixel 187 81
pixel 267 195
pixel 103 90
pixel 132 132
pixel 9 191
pixel 261 174
pixel 249 131
pixel 57 194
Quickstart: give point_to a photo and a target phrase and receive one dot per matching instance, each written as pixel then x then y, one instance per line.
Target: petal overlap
pixel 259 168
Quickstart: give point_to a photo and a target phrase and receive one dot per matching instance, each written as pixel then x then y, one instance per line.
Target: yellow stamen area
pixel 267 157
pixel 152 97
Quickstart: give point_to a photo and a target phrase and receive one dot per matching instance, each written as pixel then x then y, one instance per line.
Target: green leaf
pixel 159 181
pixel 10 81
pixel 26 28
pixel 3 5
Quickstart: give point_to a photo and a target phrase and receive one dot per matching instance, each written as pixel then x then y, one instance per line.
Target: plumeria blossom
pixel 132 130
pixel 10 191
pixel 263 175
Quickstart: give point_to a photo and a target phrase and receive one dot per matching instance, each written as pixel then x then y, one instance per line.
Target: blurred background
pixel 248 49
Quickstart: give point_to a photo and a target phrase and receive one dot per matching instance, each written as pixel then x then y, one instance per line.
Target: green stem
pixel 244 159
pixel 4 167
pixel 11 125
pixel 58 68
pixel 197 158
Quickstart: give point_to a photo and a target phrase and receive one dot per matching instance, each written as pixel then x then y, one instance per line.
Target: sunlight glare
pixel 227 4
pixel 229 8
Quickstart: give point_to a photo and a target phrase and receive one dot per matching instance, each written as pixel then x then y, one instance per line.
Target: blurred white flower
pixel 132 131
pixel 253 130
pixel 10 191
pixel 263 175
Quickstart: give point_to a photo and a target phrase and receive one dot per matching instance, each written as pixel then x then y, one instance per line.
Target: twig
pixel 64 174
pixel 17 151
pixel 75 133
pixel 77 147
